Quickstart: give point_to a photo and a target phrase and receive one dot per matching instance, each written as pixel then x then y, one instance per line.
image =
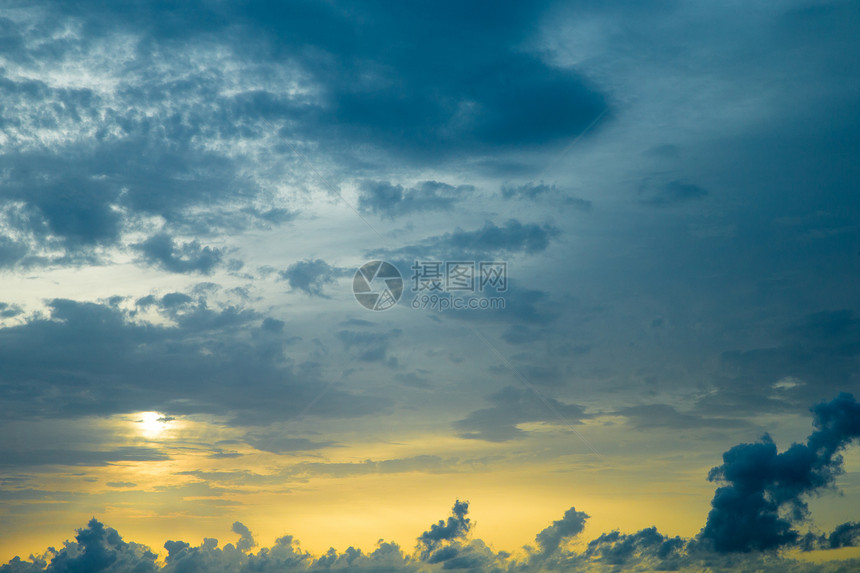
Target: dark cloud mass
pixel 103 362
pixel 189 257
pixel 310 276
pixel 138 149
pixel 765 494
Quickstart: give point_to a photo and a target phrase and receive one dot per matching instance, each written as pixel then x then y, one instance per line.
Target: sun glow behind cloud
pixel 153 425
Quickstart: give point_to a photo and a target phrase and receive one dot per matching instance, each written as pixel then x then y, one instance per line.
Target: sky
pixel 412 286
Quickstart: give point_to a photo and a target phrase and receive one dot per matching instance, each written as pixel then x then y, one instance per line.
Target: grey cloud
pixel 511 237
pixel 100 362
pixel 273 325
pixel 371 346
pixel 437 542
pixel 246 540
pixel 10 310
pixel 532 191
pixel 518 334
pixel 190 257
pixel 488 241
pixel 65 457
pixel 666 416
pixel 422 463
pixel 311 276
pixel 646 547
pixel 527 190
pixel 279 443
pixel 844 535
pixel 120 484
pixel 817 350
pixel 12 251
pixel 86 162
pixel 567 527
pixel 389 200
pixel 512 406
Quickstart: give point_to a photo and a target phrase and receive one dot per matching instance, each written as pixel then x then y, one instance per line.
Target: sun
pixel 152 424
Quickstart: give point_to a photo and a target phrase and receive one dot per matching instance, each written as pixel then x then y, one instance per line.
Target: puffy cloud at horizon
pixel 447 545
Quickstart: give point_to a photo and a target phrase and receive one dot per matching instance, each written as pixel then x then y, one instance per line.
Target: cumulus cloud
pixel 446 545
pixel 161 250
pixel 310 276
pixel 568 526
pixel 246 541
pixel 455 528
pixel 765 493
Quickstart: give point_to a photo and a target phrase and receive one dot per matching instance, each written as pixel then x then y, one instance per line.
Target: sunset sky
pixel 666 191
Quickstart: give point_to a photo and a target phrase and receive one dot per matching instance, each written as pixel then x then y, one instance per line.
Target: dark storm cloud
pixel 99 362
pixel 85 161
pixel 456 82
pixel 310 276
pixel 389 200
pixel 764 495
pixel 512 406
pixel 459 79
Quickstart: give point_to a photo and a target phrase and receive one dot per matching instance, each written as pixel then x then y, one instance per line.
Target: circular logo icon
pixel 377 285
